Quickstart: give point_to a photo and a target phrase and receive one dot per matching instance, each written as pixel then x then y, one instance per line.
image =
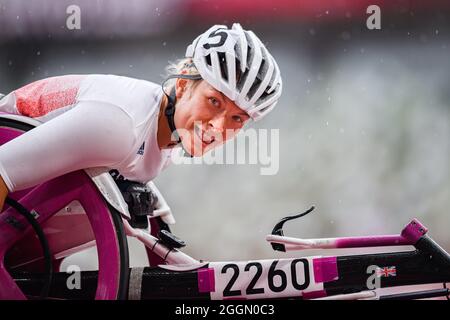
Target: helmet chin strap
pixel 170 114
pixel 170 108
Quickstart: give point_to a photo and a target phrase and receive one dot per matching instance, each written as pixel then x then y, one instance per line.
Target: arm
pixel 3 192
pixel 92 134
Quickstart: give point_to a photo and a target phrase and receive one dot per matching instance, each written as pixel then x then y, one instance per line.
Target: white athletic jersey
pixel 89 121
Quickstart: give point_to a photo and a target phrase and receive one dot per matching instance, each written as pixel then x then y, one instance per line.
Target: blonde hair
pixel 180 66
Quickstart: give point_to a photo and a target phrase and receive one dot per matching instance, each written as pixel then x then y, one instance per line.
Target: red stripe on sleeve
pixel 41 97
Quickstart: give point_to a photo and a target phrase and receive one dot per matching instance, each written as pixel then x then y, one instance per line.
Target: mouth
pixel 201 135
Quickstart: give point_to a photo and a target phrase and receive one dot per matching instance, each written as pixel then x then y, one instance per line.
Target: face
pixel 205 118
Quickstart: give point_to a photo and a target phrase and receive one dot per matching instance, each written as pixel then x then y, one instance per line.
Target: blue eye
pixel 237 119
pixel 214 102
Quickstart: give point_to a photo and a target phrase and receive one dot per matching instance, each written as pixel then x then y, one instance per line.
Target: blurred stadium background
pixel 364 120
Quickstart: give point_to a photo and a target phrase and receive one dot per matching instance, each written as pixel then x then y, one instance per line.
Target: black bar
pixel 31 284
pixel 157 283
pixel 417 295
pixel 437 254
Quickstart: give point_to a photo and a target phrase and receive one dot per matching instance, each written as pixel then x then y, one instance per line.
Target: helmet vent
pixel 253 88
pixel 208 60
pixel 223 65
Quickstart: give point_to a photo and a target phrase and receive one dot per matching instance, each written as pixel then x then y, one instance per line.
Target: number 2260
pixel 270 277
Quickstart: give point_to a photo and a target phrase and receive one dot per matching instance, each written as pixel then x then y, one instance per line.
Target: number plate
pixel 275 278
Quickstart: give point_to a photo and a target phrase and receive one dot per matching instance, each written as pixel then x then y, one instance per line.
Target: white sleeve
pixel 91 134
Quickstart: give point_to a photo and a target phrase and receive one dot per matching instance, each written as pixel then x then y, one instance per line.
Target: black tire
pixel 124 254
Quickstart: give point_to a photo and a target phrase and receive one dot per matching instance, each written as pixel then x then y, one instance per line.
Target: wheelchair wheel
pixel 73 216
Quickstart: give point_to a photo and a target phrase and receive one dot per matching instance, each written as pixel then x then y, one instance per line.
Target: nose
pixel 217 127
pixel 217 124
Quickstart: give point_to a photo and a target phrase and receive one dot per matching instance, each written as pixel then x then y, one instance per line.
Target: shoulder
pixel 139 98
pixel 119 88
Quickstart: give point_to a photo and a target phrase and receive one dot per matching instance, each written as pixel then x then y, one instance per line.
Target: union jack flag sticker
pixel 386 272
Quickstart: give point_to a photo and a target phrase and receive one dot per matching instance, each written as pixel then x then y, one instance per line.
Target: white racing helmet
pixel 235 62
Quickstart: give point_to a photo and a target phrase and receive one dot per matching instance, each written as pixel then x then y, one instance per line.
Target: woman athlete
pixel 131 126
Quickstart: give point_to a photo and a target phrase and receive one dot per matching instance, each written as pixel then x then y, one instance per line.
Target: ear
pixel 180 86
